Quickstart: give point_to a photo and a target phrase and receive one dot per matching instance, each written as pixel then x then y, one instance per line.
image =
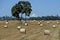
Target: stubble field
pixel 33 31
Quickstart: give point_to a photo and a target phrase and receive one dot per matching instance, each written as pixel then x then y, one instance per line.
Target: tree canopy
pixel 21 7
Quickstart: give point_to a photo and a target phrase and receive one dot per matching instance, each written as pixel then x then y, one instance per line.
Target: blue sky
pixel 39 7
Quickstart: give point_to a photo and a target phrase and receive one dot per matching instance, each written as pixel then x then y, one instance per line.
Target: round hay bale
pixel 6 22
pixel 57 22
pixel 38 23
pixel 5 26
pixel 26 24
pixel 23 30
pixel 48 22
pixel 34 20
pixel 18 27
pixel 46 32
pixel 54 26
pixel 41 25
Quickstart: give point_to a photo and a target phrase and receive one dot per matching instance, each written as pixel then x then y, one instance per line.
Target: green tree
pixel 21 7
pixel 26 8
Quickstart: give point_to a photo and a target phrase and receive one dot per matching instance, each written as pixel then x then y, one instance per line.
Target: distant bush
pixel 32 18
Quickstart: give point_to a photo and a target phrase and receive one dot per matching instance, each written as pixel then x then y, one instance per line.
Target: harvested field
pixel 33 31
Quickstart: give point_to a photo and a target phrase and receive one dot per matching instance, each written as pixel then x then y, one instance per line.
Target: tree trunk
pixel 21 19
pixel 25 18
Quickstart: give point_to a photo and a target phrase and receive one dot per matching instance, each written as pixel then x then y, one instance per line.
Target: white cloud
pixel 33 15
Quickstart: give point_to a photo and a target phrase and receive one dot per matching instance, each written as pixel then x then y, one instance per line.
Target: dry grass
pixel 33 31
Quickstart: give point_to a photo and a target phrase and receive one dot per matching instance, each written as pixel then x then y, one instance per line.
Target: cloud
pixel 33 15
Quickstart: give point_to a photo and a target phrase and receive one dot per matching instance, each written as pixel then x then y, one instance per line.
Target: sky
pixel 39 7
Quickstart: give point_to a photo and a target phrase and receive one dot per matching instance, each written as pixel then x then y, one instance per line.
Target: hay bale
pixel 18 27
pixel 5 26
pixel 34 20
pixel 38 23
pixel 46 32
pixel 41 25
pixel 26 24
pixel 54 26
pixel 23 30
pixel 6 22
pixel 57 22
pixel 48 22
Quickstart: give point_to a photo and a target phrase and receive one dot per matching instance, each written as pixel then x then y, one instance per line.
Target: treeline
pixel 45 18
pixel 32 18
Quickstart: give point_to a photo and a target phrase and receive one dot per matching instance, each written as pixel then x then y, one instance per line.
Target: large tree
pixel 21 7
